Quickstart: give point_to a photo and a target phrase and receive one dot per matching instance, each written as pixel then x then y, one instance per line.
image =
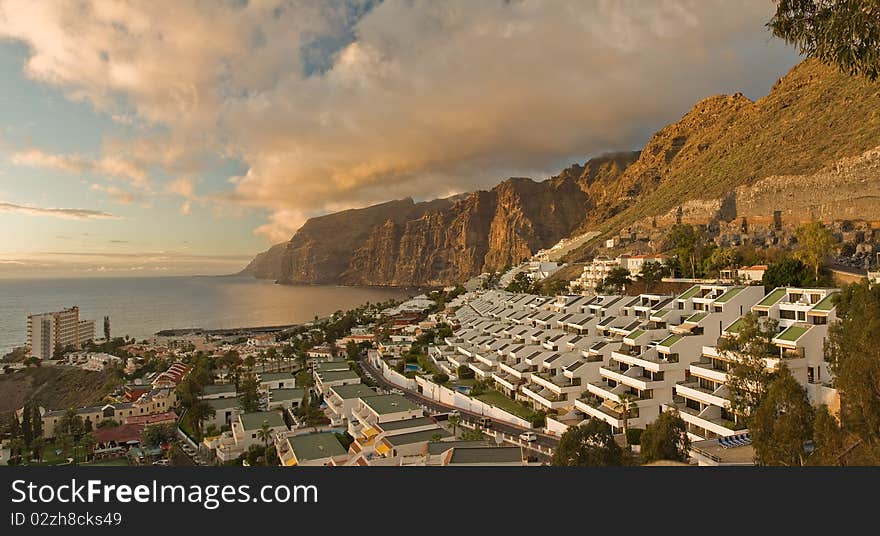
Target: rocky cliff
pixel 812 118
pixel 404 243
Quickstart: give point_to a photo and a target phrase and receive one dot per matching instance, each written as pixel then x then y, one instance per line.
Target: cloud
pixel 388 99
pixel 66 213
pixel 118 194
pixel 110 166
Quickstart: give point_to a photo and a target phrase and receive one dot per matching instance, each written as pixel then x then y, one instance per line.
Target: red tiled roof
pixel 120 434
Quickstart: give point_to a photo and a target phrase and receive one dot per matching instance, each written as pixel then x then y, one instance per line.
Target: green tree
pixel 440 378
pixel 521 283
pixel 783 423
pixel 787 272
pixel 652 273
pixel 845 33
pixel 748 377
pixel 665 439
pixel 264 434
pixel 249 394
pixel 158 434
pixel 465 372
pixel 453 421
pixel 828 439
pixel 686 243
pixel 815 242
pixel 854 359
pixel 616 281
pixel 591 444
pixel 627 404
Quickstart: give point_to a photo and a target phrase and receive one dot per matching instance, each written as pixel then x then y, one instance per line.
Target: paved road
pixel 436 407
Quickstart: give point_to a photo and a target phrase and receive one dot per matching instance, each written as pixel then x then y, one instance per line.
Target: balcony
pixel 705 369
pixel 607 411
pixel 545 397
pixel 714 397
pixel 707 420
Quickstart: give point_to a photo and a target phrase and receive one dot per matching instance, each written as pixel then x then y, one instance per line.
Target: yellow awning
pixel 370 432
pixel 291 462
pixel 383 449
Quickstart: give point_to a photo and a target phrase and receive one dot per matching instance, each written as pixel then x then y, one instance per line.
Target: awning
pixel 370 432
pixel 383 449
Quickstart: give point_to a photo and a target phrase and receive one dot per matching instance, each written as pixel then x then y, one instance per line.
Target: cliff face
pixel 403 243
pixel 813 117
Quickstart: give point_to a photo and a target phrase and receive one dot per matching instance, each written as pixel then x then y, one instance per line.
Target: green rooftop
pixel 670 340
pixel 793 333
pixel 690 293
pixel 422 436
pixel 696 317
pixel 736 326
pixel 772 298
pixel 337 375
pixel 384 404
pixel 661 313
pixel 220 389
pixel 276 376
pixel 356 390
pixel 636 334
pixel 825 305
pixel 222 403
pixel 327 366
pixel 277 395
pixel 315 446
pixel 724 298
pixel 254 421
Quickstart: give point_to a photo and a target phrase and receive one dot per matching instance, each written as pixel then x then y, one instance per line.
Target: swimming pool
pixel 412 368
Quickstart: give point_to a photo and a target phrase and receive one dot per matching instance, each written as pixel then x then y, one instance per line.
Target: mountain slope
pixel 812 117
pixel 439 242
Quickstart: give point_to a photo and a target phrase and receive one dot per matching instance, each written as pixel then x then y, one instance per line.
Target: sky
pixel 183 137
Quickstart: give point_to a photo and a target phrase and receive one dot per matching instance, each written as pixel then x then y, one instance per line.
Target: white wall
pixel 450 397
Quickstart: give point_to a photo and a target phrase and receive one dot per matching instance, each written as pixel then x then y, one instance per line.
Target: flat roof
pixel 334 375
pixel 792 333
pixel 405 423
pixel 439 447
pixel 356 390
pixel 222 403
pixel 735 326
pixel 689 293
pixel 825 304
pixel 384 404
pixel 696 317
pixel 724 298
pixel 486 455
pixel 274 376
pixel 286 394
pixel 422 436
pixel 216 389
pixel 771 298
pixel 254 421
pixel 670 340
pixel 316 446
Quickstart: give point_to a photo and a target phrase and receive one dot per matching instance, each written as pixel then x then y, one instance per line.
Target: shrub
pixel 440 378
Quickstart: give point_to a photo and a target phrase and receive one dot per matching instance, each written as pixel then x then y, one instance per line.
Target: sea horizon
pixel 142 306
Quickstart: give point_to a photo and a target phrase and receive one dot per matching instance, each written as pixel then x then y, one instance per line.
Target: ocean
pixel 140 307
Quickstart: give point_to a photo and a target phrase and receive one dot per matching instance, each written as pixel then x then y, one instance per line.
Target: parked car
pixel 528 436
pixel 163 461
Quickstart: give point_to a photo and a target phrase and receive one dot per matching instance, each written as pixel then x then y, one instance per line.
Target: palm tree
pixel 627 402
pixel 454 420
pixel 198 412
pixel 265 434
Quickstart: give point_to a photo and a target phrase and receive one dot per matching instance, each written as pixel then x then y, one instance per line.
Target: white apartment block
pixel 47 331
pixel 596 271
pixel 803 316
pixel 584 355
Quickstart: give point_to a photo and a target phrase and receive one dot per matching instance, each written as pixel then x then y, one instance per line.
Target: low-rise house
pixel 219 390
pixel 341 399
pixel 245 432
pixel 285 398
pixel 325 380
pixel 225 409
pixel 277 380
pixel 306 450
